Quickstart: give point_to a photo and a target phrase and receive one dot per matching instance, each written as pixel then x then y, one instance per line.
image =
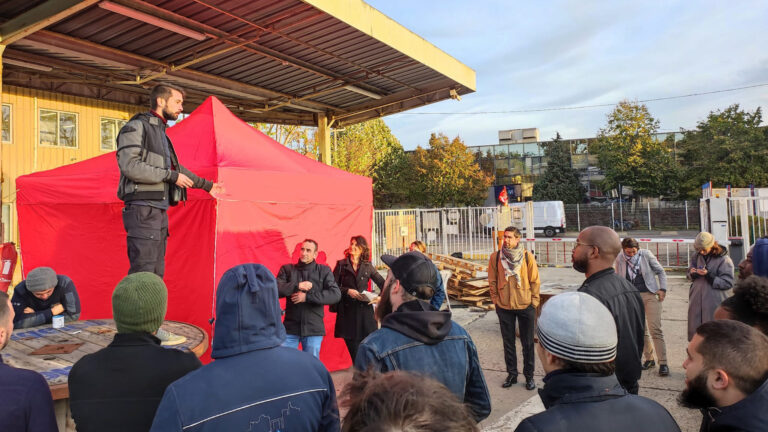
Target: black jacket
pixel 594 403
pixel 119 387
pixel 64 293
pixel 306 319
pixel 748 415
pixel 141 156
pixel 26 401
pixel 354 319
pixel 626 306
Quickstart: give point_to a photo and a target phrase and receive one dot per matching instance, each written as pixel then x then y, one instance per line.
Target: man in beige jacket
pixel 514 281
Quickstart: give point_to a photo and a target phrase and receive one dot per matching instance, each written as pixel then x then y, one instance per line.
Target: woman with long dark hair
pixel 354 314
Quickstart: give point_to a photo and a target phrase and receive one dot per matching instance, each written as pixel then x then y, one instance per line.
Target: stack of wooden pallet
pixel 468 283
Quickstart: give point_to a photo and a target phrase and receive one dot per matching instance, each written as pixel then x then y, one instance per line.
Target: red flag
pixel 503 197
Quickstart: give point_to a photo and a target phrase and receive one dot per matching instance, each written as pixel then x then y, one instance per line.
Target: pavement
pixel 512 405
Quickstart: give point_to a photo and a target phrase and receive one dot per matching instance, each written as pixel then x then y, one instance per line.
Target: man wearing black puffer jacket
pixel 308 287
pixel 595 251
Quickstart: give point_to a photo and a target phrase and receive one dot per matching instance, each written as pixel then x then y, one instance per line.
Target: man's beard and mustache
pixel 696 395
pixel 169 115
pixel 580 264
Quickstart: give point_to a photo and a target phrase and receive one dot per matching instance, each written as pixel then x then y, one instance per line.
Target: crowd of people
pixel 415 369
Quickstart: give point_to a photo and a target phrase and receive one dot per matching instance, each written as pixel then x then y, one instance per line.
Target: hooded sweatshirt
pixel 254 383
pixel 419 338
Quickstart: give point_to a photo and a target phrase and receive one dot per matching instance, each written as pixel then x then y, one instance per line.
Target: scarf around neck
pixel 511 259
pixel 633 265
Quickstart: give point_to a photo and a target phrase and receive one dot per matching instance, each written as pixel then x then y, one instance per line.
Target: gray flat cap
pixel 41 279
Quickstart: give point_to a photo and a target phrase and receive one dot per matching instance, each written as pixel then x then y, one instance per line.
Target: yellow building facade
pixel 43 130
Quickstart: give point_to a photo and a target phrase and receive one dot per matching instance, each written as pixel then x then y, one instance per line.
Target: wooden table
pixel 92 334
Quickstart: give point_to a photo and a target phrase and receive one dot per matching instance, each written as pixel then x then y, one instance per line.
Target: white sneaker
pixel 169 339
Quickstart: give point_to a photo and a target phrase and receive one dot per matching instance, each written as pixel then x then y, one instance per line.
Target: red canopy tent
pixel 70 218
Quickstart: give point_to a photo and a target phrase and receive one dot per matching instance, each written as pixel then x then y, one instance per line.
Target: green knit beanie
pixel 139 303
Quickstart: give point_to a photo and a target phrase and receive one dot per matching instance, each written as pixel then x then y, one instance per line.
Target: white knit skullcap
pixel 575 326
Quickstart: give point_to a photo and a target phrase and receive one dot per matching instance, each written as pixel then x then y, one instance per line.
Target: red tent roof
pixel 236 145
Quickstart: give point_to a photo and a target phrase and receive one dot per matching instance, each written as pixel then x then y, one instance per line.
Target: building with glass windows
pixel 518 159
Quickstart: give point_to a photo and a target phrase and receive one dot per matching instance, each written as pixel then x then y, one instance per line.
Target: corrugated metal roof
pixel 268 60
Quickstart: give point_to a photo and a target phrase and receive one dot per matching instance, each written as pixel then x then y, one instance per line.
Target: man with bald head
pixel 593 254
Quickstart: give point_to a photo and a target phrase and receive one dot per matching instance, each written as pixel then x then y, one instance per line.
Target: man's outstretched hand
pixel 217 189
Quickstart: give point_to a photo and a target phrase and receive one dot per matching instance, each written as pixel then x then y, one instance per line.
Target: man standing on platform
pixel 595 251
pixel 514 281
pixel 151 179
pixel 41 296
pixel 308 286
pixel 120 386
pixel 27 404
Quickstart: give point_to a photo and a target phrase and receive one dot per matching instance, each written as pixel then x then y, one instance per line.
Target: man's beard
pixel 168 115
pixel 696 395
pixel 384 307
pixel 580 265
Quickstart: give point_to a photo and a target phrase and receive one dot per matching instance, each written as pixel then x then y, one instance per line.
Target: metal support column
pixel 2 174
pixel 323 138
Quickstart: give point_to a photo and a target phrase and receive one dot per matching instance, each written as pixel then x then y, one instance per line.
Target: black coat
pixel 119 387
pixel 746 415
pixel 354 318
pixel 590 402
pixel 626 306
pixel 306 319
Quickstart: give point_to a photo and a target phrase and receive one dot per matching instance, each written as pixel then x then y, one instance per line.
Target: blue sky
pixel 545 54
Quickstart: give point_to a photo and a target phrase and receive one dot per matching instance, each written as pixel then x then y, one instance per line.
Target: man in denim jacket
pixel 416 337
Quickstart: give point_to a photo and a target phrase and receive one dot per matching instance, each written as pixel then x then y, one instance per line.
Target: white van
pixel 548 217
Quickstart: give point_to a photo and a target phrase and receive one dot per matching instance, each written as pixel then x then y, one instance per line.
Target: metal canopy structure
pixel 325 63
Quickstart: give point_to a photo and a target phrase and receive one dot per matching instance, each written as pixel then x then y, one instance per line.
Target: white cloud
pixel 572 53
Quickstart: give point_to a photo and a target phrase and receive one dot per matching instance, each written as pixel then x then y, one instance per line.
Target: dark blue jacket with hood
pixel 254 384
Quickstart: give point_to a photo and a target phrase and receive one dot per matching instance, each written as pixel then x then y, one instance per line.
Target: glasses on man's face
pixel 578 243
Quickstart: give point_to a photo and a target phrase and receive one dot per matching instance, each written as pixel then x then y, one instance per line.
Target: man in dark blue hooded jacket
pixel 254 384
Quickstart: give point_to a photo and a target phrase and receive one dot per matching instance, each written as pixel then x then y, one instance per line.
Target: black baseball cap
pixel 413 270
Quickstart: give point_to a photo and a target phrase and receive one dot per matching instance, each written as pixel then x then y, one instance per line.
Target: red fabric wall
pixel 70 218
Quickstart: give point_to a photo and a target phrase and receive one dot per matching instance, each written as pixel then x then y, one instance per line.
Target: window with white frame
pixel 58 128
pixel 6 126
pixel 109 129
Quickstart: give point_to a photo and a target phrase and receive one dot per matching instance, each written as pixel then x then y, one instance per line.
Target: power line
pixel 582 106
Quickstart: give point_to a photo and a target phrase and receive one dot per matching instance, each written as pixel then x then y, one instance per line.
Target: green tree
pixel 298 138
pixel 560 182
pixel 447 174
pixel 729 147
pixel 629 155
pixel 370 149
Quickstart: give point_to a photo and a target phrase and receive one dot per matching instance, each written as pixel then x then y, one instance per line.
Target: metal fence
pixel 628 216
pixel 471 232
pixel 748 215
pixel 556 252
